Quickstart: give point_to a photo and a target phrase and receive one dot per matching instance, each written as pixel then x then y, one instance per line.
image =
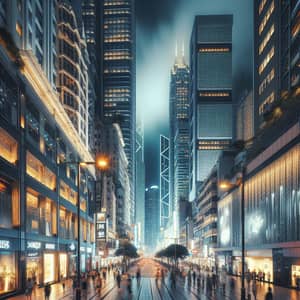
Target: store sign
pixel 82 249
pixel 34 245
pixel 33 254
pixel 4 244
pixel 50 246
pixel 101 231
pixel 72 247
pixel 89 250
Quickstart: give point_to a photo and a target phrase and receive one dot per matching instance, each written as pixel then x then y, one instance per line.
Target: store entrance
pixel 34 269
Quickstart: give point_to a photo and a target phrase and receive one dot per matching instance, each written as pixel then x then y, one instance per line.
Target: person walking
pixel 47 291
pixel 29 288
pixel 194 277
pixel 129 282
pixel 254 289
pixel 138 276
pixel 118 277
pixel 269 294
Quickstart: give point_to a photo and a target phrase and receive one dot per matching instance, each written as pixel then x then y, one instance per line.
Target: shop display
pixel 63 265
pixel 49 267
pixel 7 272
pixel 296 276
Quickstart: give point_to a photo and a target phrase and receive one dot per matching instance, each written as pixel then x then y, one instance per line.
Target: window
pixel 266 18
pixel 19 29
pixel 266 60
pixel 8 147
pixel 261 6
pixel 266 104
pixel 39 172
pixel 266 81
pixel 266 39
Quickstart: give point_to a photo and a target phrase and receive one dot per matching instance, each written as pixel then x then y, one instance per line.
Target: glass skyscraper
pixel 211 93
pixel 118 34
pixel 179 131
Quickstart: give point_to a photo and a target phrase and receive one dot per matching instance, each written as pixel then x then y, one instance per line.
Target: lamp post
pixel 101 163
pixel 241 183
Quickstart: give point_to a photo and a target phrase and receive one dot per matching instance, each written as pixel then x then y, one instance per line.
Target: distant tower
pixel 179 132
pixel 164 181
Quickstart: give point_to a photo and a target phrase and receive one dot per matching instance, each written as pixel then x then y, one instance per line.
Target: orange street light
pixel 225 185
pixel 102 162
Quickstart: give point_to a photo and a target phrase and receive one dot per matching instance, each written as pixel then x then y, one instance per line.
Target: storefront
pixel 8 266
pixel 34 268
pixel 63 265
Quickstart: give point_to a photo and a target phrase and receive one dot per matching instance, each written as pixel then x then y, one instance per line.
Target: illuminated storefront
pixel 8 272
pixel 49 267
pixel 295 276
pixel 63 265
pixel 34 267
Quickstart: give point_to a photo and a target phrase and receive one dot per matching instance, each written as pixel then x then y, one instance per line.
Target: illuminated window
pixel 266 105
pixel 266 60
pixel 266 81
pixel 261 6
pixel 266 18
pixel 266 39
pixel 19 29
pixel 8 147
pixel 39 172
pixel 67 193
pixel 213 94
pixel 296 28
pixel 214 49
pixel 213 144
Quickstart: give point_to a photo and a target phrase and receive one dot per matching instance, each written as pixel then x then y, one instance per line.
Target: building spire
pixel 176 49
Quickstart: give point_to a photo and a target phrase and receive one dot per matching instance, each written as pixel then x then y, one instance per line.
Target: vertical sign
pixel 100 227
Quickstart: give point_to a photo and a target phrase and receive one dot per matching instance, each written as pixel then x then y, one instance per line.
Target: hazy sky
pixel 160 23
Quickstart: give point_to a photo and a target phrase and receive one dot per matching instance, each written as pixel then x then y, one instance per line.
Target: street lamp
pixel 101 163
pixel 226 185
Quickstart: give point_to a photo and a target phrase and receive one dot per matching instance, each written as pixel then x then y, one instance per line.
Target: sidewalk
pixel 57 292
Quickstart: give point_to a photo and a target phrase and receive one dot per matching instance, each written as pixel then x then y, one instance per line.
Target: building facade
pixel 140 187
pixel 205 221
pixel 272 199
pixel 152 217
pixel 179 132
pixel 38 230
pixel 73 61
pixel 118 34
pixel 211 94
pixel 164 182
pixel 276 54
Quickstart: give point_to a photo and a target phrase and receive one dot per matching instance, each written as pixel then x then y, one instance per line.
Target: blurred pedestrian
pixel 129 282
pixel 269 294
pixel 194 277
pixel 254 289
pixel 47 291
pixel 29 288
pixel 118 277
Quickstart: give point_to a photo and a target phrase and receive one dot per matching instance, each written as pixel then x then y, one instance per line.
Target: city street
pixel 149 288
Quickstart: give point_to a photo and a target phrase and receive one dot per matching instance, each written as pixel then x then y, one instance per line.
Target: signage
pixel 32 254
pixel 89 250
pixel 4 244
pixel 72 247
pixel 82 249
pixel 100 231
pixel 34 245
pixel 50 246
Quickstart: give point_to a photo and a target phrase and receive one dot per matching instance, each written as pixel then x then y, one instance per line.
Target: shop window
pixel 49 267
pixel 8 274
pixel 68 193
pixel 49 142
pixel 32 209
pixel 9 205
pixel 8 147
pixel 39 172
pixel 48 217
pixel 34 269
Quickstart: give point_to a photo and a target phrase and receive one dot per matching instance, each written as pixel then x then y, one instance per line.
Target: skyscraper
pixel 140 185
pixel 276 54
pixel 118 35
pixel 164 182
pixel 152 217
pixel 211 93
pixel 73 60
pixel 179 132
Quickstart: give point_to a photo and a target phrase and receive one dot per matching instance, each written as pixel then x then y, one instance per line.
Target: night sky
pixel 162 23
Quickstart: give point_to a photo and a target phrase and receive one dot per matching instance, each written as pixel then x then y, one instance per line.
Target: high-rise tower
pixel 211 93
pixel 179 132
pixel 118 33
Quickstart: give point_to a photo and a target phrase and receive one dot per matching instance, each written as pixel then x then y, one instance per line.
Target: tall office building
pixel 73 60
pixel 140 186
pixel 38 191
pixel 211 94
pixel 152 217
pixel 179 132
pixel 118 33
pixel 164 182
pixel 276 54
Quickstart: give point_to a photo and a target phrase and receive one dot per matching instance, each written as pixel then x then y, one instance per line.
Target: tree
pixel 128 251
pixel 174 252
